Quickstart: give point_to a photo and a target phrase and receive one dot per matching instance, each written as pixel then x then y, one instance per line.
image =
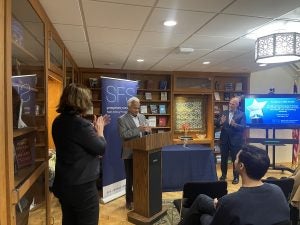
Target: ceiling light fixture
pixel 278 48
pixel 140 60
pixel 170 23
pixel 205 63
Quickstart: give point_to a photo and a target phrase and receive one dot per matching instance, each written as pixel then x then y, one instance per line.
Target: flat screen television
pixel 281 111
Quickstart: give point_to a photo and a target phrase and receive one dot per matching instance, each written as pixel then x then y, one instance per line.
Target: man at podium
pixel 131 125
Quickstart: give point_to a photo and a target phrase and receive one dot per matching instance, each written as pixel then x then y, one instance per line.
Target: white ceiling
pixel 115 33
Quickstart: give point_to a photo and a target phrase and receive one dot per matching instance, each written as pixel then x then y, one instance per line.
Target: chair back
pixel 283 223
pixel 286 185
pixel 214 189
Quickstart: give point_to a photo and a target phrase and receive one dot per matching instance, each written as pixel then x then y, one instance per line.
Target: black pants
pixel 80 204
pixel 225 150
pixel 128 163
pixel 202 210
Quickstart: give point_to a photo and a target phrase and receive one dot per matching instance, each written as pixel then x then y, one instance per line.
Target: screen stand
pixel 273 165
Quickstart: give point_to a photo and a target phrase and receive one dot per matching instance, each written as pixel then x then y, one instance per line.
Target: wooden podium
pixel 147 178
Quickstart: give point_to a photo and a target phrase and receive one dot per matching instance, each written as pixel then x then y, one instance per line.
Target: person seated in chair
pixel 255 203
pixel 295 195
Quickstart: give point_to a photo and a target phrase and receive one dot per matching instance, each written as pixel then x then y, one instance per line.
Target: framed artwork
pixel 190 111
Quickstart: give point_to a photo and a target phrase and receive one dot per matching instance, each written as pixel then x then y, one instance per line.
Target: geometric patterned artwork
pixel 190 110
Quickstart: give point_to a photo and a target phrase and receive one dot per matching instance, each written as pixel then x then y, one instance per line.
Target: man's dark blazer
pixel 233 134
pixel 128 130
pixel 78 148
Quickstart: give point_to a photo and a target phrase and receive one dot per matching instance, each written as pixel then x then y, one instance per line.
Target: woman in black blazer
pixel 79 145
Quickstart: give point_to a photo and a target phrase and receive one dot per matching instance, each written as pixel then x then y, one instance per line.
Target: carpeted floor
pixel 172 217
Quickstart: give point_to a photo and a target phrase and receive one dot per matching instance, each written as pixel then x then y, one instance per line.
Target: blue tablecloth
pixel 183 164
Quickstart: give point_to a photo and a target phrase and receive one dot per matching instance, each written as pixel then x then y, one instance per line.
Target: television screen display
pixel 272 110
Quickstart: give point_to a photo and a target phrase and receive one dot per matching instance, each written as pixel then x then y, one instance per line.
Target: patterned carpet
pixel 172 217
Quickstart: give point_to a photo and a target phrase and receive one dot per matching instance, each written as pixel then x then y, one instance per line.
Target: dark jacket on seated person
pixel 262 205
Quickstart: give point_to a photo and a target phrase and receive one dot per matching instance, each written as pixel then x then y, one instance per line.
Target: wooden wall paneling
pixel 4 190
pixel 10 194
pixel 55 88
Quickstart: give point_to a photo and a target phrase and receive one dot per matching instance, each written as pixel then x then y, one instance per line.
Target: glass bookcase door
pixel 69 72
pixel 193 83
pixel 29 133
pixel 56 55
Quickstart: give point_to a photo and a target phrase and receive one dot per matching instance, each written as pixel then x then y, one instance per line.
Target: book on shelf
pixel 164 96
pixel 149 84
pixel 144 109
pixel 148 95
pixel 228 86
pixel 153 109
pixel 163 84
pixel 152 121
pixel 226 96
pixel 93 82
pixel 217 96
pixel 217 85
pixel 162 121
pixel 23 153
pixel 141 84
pixel 217 134
pixel 162 109
pixel 216 109
pixel 225 107
pixel 238 86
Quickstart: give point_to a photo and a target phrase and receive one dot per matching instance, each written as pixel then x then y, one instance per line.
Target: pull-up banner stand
pixel 115 93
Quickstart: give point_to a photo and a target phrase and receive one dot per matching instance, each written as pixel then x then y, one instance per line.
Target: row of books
pixel 157 121
pixel 163 96
pixel 154 109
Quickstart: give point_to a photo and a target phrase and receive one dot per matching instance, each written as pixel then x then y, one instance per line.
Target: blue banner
pixel 115 93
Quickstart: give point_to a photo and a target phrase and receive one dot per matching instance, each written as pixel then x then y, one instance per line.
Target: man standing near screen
pixel 131 125
pixel 232 124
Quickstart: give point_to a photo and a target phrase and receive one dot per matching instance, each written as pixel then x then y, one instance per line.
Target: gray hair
pixel 132 99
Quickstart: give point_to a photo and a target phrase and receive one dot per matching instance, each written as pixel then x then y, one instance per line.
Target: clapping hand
pixel 223 119
pixel 106 119
pixel 100 123
pixel 233 123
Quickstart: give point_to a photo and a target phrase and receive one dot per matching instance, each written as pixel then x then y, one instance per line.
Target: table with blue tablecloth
pixel 184 164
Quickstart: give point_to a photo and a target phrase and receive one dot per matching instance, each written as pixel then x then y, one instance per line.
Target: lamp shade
pixel 278 48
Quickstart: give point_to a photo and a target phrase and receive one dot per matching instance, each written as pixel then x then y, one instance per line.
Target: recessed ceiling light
pixel 263 64
pixel 140 60
pixel 170 23
pixel 205 63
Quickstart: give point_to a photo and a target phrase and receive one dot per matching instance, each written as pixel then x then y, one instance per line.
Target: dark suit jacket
pixel 78 148
pixel 233 134
pixel 128 130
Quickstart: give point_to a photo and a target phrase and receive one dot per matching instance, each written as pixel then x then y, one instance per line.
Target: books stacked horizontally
pixel 228 86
